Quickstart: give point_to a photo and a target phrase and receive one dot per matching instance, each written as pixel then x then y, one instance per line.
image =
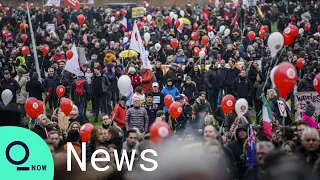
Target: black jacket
pixel 232 75
pixel 151 111
pixel 212 78
pixel 12 85
pixel 223 74
pixel 240 88
pixel 198 78
pixel 190 90
pixel 35 89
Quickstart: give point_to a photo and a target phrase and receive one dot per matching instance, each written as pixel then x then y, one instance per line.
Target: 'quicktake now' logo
pixel 24 155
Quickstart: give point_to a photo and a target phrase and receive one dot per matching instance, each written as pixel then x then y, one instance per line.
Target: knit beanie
pixel 310 108
pixel 75 110
pixel 160 113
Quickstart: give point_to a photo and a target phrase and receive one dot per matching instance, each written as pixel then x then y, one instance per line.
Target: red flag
pixel 235 20
pixel 74 4
pixel 206 13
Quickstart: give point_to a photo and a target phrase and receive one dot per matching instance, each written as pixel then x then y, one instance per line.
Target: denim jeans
pixel 111 97
pixel 220 96
pixel 81 108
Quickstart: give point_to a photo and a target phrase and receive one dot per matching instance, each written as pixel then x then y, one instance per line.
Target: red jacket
pixel 135 81
pixel 119 116
pixel 147 80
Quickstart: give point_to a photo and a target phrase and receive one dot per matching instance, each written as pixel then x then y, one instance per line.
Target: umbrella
pixel 128 53
pixel 185 21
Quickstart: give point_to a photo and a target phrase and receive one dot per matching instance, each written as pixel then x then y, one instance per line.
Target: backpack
pixel 79 88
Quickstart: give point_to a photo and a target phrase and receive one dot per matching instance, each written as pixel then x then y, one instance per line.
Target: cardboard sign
pixel 55 2
pixel 282 108
pixel 138 12
pixel 301 98
pixel 50 27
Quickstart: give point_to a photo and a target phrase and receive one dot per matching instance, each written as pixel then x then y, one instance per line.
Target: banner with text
pixel 301 98
pixel 138 12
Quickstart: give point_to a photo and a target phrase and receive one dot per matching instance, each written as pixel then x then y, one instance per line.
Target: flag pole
pixel 33 42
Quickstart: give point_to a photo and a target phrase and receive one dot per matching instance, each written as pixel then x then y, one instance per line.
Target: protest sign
pixel 301 99
pixel 138 12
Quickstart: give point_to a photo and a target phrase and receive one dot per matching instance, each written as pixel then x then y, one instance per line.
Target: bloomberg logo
pixel 19 163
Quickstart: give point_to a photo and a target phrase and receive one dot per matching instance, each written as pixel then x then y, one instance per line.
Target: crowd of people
pixel 233 64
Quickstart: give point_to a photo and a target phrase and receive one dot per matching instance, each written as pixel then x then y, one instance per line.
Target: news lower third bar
pixel 23 168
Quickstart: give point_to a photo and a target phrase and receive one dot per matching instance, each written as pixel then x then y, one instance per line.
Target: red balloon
pixel 210 29
pixel 251 35
pixel 60 91
pixel 5 33
pixel 307 26
pixel 33 107
pixel 177 23
pixel 291 30
pixel 210 2
pixel 22 6
pixel 158 131
pixel 42 106
pixel 168 20
pixel 152 22
pixel 269 12
pixel 31 5
pixel 81 19
pixel 0 6
pixel 118 14
pixel 168 100
pixel 21 26
pixel 265 28
pixel 124 12
pixel 24 37
pixel 316 83
pixel 85 132
pixel 194 36
pixel 174 43
pixel 175 110
pixel 69 54
pixel 205 40
pixel 300 63
pixel 196 51
pixel 262 33
pixel 45 7
pixel 139 24
pixel 285 77
pixel 195 26
pixel 206 21
pixel 130 33
pixel 53 5
pixel 25 50
pixel 7 9
pixel 228 103
pixel 319 28
pixel 144 19
pixel 185 98
pixel 287 40
pixel 45 49
pixel 66 106
pixel 190 44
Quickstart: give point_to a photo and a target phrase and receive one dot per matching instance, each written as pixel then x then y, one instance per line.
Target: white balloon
pixel 226 32
pixel 112 19
pixel 301 30
pixel 146 36
pixel 275 43
pixel 171 14
pixel 124 83
pixel 175 16
pixel 222 28
pixel 157 46
pixel 182 13
pixel 210 35
pixel 125 39
pixel 147 4
pixel 149 17
pixel 272 75
pixel 202 54
pixel 6 96
pixel 241 106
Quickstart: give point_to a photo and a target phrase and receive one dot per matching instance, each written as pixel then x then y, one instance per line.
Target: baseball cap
pixel 155 84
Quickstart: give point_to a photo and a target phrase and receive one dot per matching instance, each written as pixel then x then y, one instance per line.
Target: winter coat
pixel 147 80
pixel 198 78
pixel 240 88
pixel 13 86
pixel 212 78
pixel 158 98
pixel 180 59
pixel 190 90
pixel 258 86
pixel 41 131
pixel 151 111
pixel 137 117
pixel 135 81
pixel 63 120
pixel 223 74
pixel 119 115
pixel 22 97
pixel 311 122
pixel 173 91
pixel 113 80
pixel 86 89
pixel 305 85
pixel 35 88
pixel 50 82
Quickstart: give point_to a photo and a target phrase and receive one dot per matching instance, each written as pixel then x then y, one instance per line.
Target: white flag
pixel 137 45
pixel 72 65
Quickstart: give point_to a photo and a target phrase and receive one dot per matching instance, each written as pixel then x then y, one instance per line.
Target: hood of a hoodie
pixel 241 126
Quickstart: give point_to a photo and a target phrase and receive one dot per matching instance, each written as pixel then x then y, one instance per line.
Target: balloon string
pixel 270 68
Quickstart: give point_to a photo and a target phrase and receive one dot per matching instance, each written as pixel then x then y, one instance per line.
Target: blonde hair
pixel 210 117
pixel 21 71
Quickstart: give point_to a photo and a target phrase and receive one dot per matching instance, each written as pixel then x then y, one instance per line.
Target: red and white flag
pixel 72 65
pixel 235 20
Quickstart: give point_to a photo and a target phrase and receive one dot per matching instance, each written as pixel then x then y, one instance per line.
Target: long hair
pixel 93 136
